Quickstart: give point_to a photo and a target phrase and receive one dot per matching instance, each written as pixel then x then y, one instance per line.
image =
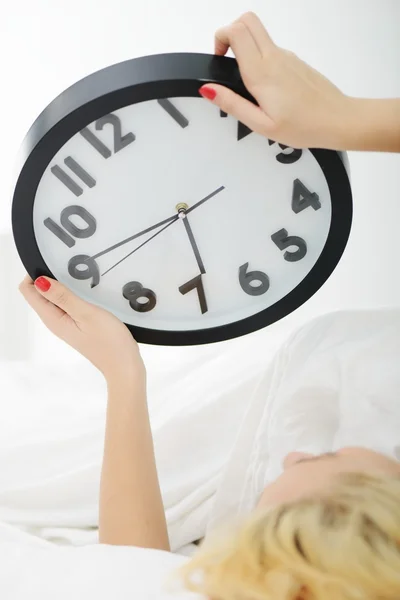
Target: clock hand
pixel 141 245
pixel 169 220
pixel 183 216
pixel 205 199
pixel 133 237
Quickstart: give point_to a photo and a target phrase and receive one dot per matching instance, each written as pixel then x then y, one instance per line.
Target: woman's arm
pixel 373 125
pixel 131 507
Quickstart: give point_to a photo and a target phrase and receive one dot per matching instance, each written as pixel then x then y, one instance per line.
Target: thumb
pixel 59 295
pixel 243 110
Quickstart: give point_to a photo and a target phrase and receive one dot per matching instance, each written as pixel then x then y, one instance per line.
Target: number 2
pixel 120 141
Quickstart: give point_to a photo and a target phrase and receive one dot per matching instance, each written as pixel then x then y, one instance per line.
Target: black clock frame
pixel 147 78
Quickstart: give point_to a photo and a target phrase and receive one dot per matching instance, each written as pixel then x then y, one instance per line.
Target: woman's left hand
pixel 94 332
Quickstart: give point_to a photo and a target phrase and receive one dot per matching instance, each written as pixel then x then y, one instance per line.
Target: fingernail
pixel 207 92
pixel 42 284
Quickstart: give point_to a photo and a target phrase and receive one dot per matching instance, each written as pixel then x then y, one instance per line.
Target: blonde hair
pixel 344 545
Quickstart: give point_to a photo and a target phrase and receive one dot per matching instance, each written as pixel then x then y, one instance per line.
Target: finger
pixel 258 31
pixel 221 42
pixel 238 37
pixel 225 36
pixel 243 110
pixel 60 296
pixel 43 308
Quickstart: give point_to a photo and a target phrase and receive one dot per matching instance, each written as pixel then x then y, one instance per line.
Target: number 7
pixel 196 283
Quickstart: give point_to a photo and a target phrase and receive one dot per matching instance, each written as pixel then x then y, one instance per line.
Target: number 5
pixel 283 241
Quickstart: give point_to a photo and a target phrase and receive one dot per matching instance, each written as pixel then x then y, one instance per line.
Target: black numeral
pixel 246 278
pixel 302 197
pixel 173 112
pixel 90 269
pixel 287 158
pixel 140 298
pixel 94 141
pixel 71 228
pixel 196 284
pixel 283 241
pixel 120 141
pixel 242 129
pixel 67 180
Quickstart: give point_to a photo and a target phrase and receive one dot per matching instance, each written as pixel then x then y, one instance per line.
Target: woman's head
pixel 305 474
pixel 331 534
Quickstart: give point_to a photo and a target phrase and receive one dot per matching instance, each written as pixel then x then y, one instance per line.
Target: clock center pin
pixel 182 208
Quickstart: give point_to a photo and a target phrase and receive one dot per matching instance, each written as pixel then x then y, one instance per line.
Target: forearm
pixel 371 125
pixel 131 507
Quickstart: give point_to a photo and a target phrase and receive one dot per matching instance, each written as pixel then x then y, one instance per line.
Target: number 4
pixel 302 197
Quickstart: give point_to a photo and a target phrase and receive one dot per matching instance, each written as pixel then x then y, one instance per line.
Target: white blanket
pixel 334 383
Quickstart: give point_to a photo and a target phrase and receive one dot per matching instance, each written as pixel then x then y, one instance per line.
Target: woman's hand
pixel 95 333
pixel 297 106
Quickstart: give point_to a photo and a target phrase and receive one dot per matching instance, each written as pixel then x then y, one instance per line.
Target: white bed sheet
pixel 52 430
pixel 220 438
pixel 33 569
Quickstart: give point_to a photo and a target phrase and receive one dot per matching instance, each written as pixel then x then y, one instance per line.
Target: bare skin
pixel 307 474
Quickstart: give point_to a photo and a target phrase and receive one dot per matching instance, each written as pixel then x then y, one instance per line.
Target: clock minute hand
pixel 171 222
pixel 217 191
pixel 133 237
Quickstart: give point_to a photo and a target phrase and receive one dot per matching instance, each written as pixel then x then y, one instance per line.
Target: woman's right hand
pixel 297 106
pixel 92 331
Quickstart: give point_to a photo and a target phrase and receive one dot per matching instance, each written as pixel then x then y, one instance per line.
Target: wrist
pixel 132 380
pixel 371 125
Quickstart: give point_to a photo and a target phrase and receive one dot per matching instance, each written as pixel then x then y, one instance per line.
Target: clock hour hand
pixel 183 216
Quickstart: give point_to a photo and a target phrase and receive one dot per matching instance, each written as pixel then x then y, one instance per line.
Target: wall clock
pixel 147 200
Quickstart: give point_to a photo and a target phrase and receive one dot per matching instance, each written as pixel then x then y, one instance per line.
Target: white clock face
pixel 132 170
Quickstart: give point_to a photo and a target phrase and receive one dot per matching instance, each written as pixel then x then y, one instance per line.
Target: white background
pixel 47 45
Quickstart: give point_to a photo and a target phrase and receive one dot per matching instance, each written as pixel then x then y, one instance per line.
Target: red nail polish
pixel 43 284
pixel 207 92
